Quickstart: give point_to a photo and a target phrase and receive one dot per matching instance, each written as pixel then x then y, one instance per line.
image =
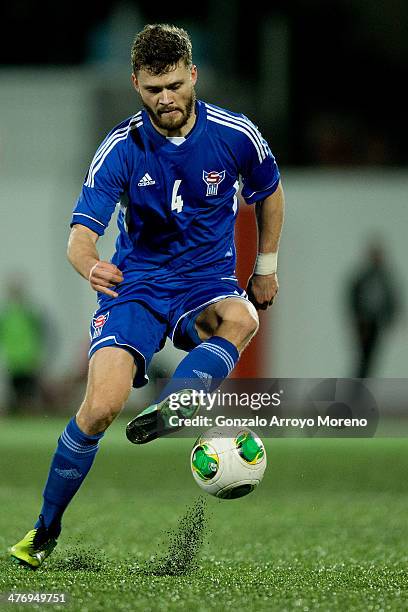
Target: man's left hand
pixel 262 290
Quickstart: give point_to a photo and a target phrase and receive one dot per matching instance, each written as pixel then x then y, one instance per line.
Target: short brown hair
pixel 159 47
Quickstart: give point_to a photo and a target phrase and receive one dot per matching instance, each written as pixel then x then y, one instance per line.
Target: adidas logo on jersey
pixel 146 180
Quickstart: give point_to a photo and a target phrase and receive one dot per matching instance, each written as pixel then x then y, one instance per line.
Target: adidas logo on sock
pixel 71 474
pixel 206 378
pixel 146 180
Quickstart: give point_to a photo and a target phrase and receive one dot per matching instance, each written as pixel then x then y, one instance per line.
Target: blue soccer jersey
pixel 178 203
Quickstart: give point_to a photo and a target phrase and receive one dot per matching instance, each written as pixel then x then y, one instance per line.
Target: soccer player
pixel 175 168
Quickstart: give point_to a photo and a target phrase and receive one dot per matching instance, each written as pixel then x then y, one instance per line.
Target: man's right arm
pixel 84 257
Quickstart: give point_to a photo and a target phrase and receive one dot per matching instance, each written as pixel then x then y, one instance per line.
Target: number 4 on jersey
pixel 176 200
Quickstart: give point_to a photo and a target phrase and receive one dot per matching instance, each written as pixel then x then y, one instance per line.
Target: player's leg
pixel 221 332
pixel 233 319
pixel 111 372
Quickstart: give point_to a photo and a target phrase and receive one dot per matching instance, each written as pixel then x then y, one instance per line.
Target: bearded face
pixel 168 98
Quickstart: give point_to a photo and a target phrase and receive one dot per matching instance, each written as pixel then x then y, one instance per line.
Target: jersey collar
pixel 192 137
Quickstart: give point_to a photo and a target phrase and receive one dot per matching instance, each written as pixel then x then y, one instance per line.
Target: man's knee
pixel 242 316
pixel 96 414
pixel 110 377
pixel 247 322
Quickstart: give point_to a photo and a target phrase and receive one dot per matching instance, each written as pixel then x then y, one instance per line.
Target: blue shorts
pixel 148 311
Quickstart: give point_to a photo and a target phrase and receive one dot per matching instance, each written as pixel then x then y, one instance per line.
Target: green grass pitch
pixel 326 530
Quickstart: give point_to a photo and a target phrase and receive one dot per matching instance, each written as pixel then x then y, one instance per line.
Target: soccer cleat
pixel 34 548
pixel 154 421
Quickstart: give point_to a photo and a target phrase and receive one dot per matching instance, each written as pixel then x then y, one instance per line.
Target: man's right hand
pixel 104 275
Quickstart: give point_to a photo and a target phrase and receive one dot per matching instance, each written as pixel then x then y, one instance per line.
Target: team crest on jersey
pixel 98 323
pixel 212 180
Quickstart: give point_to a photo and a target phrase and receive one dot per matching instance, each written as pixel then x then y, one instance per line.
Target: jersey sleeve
pixel 105 182
pixel 259 170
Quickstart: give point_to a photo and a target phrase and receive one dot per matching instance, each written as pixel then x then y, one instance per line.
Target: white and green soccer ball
pixel 228 464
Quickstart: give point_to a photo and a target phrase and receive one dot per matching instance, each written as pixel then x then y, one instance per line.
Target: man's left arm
pixel 263 284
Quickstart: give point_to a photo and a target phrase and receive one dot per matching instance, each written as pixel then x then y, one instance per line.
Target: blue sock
pixel 205 367
pixel 72 461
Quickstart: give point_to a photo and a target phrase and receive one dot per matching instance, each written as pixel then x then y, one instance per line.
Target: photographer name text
pixel 256 421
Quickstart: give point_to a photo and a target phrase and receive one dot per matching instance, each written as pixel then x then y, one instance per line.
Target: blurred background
pixel 323 81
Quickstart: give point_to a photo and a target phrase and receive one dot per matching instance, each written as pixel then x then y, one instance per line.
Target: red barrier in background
pixel 252 362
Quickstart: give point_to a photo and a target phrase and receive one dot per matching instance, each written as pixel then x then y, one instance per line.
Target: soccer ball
pixel 228 463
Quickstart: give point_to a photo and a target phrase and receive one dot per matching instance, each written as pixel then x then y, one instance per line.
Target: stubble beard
pixel 164 122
